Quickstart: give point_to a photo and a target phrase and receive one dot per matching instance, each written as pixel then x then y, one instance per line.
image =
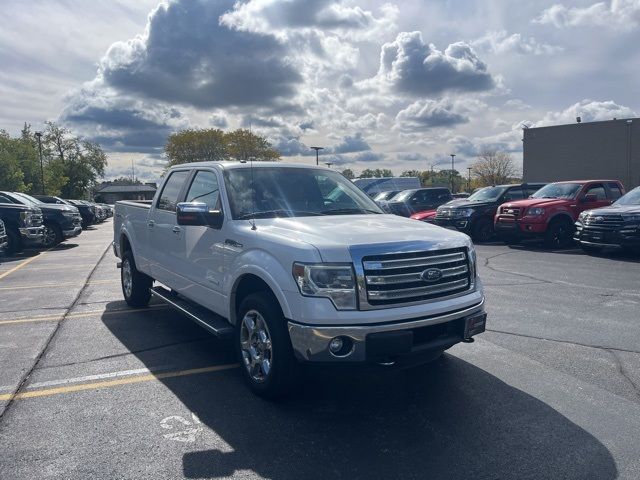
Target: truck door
pixel 202 248
pixel 600 200
pixel 165 235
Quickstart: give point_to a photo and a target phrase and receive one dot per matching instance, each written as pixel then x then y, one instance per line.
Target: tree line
pixel 70 164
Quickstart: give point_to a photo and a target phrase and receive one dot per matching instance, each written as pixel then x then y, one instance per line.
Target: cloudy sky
pixel 378 84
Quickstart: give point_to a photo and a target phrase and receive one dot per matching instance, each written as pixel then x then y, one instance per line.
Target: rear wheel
pixel 482 230
pixel 52 235
pixel 135 285
pixel 559 234
pixel 264 348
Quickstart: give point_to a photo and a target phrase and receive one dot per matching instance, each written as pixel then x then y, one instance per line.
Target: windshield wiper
pixel 348 211
pixel 277 213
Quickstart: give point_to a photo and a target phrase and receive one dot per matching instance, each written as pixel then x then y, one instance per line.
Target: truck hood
pixel 333 235
pixel 612 209
pixel 539 202
pixel 465 203
pixel 54 208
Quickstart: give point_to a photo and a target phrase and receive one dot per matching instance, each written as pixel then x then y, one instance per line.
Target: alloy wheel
pixel 49 236
pixel 256 347
pixel 127 278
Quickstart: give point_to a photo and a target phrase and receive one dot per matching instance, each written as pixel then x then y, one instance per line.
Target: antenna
pixel 253 196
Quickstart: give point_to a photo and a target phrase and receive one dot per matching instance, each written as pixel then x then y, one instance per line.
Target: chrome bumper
pixel 72 233
pixel 32 233
pixel 311 342
pixel 4 241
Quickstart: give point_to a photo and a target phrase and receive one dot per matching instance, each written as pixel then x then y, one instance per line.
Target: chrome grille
pixel 398 277
pixel 510 211
pixel 36 219
pixel 603 222
pixel 444 213
pixel 2 230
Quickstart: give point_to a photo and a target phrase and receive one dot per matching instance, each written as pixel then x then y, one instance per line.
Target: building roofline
pixel 617 120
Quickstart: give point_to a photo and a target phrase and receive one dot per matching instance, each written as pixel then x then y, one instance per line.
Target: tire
pixel 15 242
pixel 264 348
pixel 135 285
pixel 591 249
pixel 482 230
pixel 52 235
pixel 559 234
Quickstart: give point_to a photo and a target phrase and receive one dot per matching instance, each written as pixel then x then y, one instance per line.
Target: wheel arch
pixel 561 216
pixel 251 282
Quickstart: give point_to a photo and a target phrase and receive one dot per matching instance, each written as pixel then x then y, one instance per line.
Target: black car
pixel 88 212
pixel 22 225
pixel 617 225
pixel 474 215
pixel 408 202
pixel 60 221
pixel 385 196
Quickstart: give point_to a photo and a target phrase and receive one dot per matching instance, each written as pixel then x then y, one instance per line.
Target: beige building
pixel 608 149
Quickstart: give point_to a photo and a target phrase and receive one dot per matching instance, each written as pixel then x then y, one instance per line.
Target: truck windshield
pixel 487 194
pixel 271 192
pixel 29 198
pixel 631 198
pixel 558 190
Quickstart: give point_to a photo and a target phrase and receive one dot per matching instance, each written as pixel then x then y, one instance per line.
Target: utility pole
pixel 317 149
pixel 453 156
pixel 469 180
pixel 38 135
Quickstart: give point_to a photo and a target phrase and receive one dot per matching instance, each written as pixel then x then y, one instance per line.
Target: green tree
pixel 11 176
pixel 411 173
pixel 377 173
pixel 196 145
pixel 212 144
pixel 347 172
pixel 244 145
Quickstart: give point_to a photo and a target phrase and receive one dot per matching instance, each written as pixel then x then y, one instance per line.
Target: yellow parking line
pixel 48 318
pixel 23 264
pixel 46 392
pixel 59 284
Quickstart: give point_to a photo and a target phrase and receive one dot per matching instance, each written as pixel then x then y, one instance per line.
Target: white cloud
pixel 425 114
pixel 500 42
pixel 619 14
pixel 588 111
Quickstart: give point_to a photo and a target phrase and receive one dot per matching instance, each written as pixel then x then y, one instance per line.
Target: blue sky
pixel 379 84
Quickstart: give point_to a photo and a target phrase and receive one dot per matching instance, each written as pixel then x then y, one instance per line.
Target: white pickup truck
pixel 297 265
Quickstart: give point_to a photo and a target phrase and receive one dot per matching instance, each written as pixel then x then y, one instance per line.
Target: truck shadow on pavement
pixel 449 419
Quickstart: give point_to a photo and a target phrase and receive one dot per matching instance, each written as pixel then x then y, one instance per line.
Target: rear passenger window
pixel 513 194
pixel 597 189
pixel 616 193
pixel 169 196
pixel 205 189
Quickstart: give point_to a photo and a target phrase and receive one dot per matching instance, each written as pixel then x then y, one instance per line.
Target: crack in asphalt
pixel 623 372
pixel 26 376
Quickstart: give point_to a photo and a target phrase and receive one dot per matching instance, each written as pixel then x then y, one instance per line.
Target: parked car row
pixel 30 221
pixel 594 213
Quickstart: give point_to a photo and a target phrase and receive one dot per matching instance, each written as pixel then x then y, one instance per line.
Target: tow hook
pixel 468 340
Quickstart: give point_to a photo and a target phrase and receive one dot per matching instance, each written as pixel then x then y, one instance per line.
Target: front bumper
pixel 624 236
pixel 381 342
pixel 75 231
pixel 32 235
pixel 509 226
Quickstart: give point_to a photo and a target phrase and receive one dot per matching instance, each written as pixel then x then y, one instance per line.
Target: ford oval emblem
pixel 431 275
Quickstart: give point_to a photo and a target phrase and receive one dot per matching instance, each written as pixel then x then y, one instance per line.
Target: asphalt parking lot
pixel 90 388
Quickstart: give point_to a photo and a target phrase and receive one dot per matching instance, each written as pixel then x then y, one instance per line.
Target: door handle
pixel 150 223
pixel 176 229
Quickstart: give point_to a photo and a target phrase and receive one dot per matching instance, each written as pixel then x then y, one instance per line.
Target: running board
pixel 203 317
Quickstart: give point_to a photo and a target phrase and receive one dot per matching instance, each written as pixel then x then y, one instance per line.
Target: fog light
pixel 340 346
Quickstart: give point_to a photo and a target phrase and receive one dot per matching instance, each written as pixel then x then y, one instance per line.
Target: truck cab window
pixel 205 189
pixel 596 189
pixel 169 196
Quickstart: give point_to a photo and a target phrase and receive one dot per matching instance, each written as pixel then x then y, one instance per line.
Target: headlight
pixel 535 211
pixel 69 214
pixel 583 216
pixel 473 264
pixel 462 212
pixel 333 281
pixel 631 217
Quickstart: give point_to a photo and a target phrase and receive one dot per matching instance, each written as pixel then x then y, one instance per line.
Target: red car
pixel 552 211
pixel 426 216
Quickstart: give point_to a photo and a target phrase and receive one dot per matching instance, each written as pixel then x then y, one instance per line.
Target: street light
pixel 317 149
pixel 328 164
pixel 38 135
pixel 469 180
pixel 453 156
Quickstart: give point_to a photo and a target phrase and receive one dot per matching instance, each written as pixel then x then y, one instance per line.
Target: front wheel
pixel 15 243
pixel 135 285
pixel 264 348
pixel 559 234
pixel 52 235
pixel 482 230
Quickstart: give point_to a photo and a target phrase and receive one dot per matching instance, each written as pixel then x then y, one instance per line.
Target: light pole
pixel 317 149
pixel 328 164
pixel 469 180
pixel 38 135
pixel 453 156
